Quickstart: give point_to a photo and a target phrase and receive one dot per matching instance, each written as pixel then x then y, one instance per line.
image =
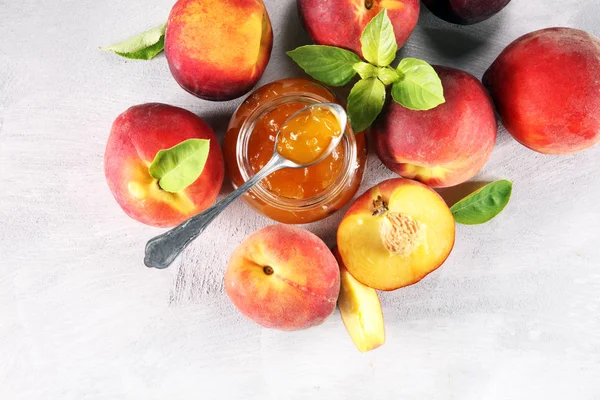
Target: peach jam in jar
pixel 292 196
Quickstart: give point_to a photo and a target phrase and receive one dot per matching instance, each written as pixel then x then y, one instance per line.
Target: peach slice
pixel 361 311
pixel 395 234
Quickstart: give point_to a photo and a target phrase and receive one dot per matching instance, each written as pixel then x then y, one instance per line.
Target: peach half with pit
pixel 395 234
pixel 137 135
pixel 218 50
pixel 283 277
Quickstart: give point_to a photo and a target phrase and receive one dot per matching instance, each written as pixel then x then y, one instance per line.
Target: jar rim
pixel 285 203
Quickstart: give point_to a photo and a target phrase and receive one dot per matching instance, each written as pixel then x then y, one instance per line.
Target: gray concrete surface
pixel 513 314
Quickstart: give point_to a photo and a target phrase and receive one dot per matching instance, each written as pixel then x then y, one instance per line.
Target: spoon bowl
pixel 338 112
pixel 162 250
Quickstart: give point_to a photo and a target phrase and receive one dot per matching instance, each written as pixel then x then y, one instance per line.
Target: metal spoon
pixel 162 250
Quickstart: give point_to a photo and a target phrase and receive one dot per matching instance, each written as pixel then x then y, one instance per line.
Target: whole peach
pixel 444 146
pixel 395 234
pixel 135 138
pixel 546 87
pixel 340 22
pixel 283 277
pixel 218 50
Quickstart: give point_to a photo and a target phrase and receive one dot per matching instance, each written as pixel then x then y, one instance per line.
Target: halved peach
pixel 361 311
pixel 395 234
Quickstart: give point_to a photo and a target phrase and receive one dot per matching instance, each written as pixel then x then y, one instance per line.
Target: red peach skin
pixel 340 22
pixel 283 277
pixel 546 87
pixel 136 136
pixel 444 146
pixel 218 50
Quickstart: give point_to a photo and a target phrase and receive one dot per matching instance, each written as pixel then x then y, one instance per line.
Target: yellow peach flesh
pixel 372 262
pixel 361 312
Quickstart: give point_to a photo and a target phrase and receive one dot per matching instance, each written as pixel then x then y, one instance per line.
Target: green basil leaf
pixel 419 86
pixel 387 75
pixel 378 40
pixel 144 46
pixel 484 204
pixel 365 102
pixel 365 70
pixel 178 167
pixel 331 65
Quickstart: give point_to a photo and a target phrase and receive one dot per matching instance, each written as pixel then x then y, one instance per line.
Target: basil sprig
pixel 415 84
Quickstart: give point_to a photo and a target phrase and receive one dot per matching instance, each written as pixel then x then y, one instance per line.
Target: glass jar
pixel 293 196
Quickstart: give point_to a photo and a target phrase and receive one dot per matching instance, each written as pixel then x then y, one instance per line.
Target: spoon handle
pixel 162 250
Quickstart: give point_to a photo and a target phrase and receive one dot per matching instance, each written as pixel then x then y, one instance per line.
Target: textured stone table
pixel 513 314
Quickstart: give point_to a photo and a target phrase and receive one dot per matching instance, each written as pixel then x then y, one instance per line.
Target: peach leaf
pixel 419 87
pixel 484 204
pixel 365 102
pixel 144 46
pixel 378 40
pixel 178 167
pixel 331 65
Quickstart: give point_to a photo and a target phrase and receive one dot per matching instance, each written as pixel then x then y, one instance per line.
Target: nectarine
pixel 218 50
pixel 546 87
pixel 283 277
pixel 360 310
pixel 444 146
pixel 340 22
pixel 465 12
pixel 135 138
pixel 395 234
